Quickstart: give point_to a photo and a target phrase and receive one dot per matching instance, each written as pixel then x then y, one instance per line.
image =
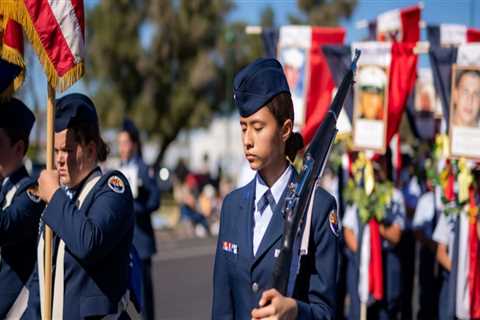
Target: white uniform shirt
pixel 350 219
pixel 262 220
pixel 395 214
pixel 130 170
pixel 425 213
pixel 444 234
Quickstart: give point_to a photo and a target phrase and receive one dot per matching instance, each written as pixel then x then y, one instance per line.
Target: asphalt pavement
pixel 182 278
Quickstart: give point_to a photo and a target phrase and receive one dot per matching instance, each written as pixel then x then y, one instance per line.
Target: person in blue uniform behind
pixel 390 232
pixel 91 216
pixel 146 196
pixel 19 209
pixel 251 224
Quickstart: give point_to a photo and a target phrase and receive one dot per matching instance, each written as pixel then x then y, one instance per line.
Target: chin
pixel 64 181
pixel 255 166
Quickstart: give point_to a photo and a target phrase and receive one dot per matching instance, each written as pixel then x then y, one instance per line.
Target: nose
pixel 59 159
pixel 247 139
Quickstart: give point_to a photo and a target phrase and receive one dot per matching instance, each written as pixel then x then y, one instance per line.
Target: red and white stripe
pixel 60 26
pixel 311 107
pixel 401 24
pixel 456 34
pixel 370 282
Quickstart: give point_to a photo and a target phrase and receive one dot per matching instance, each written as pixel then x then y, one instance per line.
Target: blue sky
pixel 465 12
pixel 435 11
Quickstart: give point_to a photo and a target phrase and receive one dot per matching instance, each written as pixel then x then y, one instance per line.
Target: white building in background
pixel 221 141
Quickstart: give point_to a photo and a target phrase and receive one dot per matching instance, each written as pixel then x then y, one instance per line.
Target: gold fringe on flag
pixel 17 11
pixel 12 56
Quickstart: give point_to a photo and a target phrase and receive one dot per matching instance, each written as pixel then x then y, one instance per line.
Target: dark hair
pixel 281 106
pixel 15 135
pixel 86 132
pixel 135 138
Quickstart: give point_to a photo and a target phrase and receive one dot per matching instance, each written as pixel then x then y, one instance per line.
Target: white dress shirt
pixel 262 220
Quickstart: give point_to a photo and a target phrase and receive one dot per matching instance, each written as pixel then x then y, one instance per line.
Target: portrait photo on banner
pixel 427 107
pixel 293 52
pixel 293 61
pixel 370 108
pixel 426 102
pixel 464 128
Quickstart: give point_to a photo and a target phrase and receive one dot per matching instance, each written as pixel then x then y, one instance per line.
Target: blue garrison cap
pixel 129 126
pixel 74 108
pixel 15 114
pixel 257 84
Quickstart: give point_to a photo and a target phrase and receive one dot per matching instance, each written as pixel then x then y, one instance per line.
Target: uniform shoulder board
pixel 334 223
pixel 116 184
pixel 31 194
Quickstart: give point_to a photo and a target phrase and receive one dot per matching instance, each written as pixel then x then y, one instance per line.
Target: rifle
pixel 300 192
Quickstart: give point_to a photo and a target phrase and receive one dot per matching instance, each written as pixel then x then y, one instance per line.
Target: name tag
pixel 230 247
pixel 277 253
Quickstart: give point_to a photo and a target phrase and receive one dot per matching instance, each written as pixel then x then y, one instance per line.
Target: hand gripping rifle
pixel 299 193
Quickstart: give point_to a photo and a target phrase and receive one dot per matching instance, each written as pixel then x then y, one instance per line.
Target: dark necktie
pixel 5 187
pixel 266 200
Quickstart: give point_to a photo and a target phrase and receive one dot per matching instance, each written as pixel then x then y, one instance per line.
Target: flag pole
pixel 48 232
pixel 363 311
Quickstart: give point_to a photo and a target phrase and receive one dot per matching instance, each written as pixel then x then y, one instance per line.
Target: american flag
pixel 56 29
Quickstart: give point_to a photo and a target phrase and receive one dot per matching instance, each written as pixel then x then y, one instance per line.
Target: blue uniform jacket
pixel 97 240
pixel 240 278
pixel 18 238
pixel 147 201
pixel 392 275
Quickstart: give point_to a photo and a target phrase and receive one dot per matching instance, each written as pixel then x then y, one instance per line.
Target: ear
pixel 19 148
pixel 287 129
pixel 92 151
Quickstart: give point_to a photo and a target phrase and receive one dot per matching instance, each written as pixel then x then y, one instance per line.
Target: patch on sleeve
pixel 334 224
pixel 31 194
pixel 116 184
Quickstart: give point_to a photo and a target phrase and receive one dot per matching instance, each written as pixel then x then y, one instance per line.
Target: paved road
pixel 182 276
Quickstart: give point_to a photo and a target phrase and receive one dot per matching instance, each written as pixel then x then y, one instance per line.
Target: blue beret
pixel 15 114
pixel 257 84
pixel 74 108
pixel 129 126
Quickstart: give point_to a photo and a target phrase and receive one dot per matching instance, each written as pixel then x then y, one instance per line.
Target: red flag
pixel 473 35
pixel 321 84
pixel 12 65
pixel 450 184
pixel 403 72
pixel 57 32
pixel 474 271
pixel 307 72
pixel 399 25
pixel 375 268
pixel 401 63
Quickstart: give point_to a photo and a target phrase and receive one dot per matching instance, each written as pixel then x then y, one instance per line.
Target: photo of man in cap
pixel 372 81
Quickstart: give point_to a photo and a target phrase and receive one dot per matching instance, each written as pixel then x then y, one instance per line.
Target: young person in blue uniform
pixel 424 222
pixel 251 224
pixel 20 210
pixel 390 232
pixel 91 215
pixel 453 234
pixel 146 200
